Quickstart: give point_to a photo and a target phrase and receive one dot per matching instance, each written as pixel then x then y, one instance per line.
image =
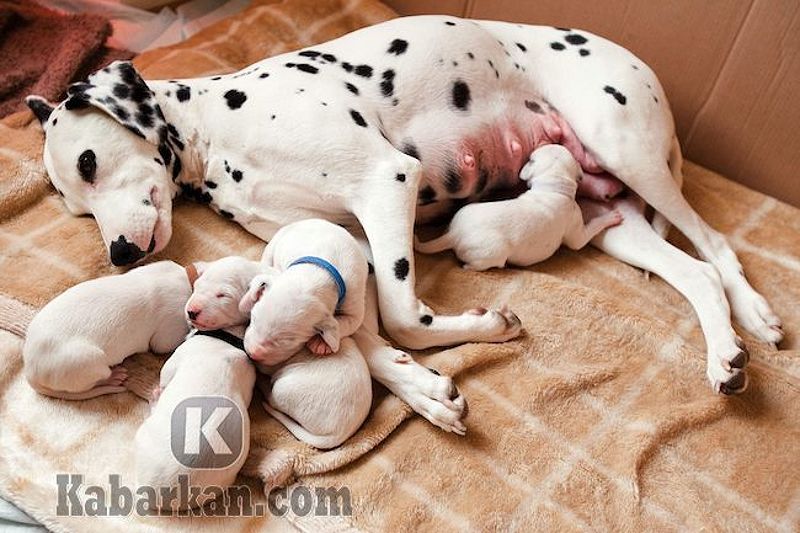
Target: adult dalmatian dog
pixel 396 123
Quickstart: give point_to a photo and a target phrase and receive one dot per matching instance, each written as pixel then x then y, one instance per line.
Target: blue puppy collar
pixel 337 278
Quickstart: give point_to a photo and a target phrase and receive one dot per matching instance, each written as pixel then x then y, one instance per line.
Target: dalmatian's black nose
pixel 124 252
pixel 192 314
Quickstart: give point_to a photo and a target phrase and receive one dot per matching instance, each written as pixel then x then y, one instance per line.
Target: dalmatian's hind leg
pixel 385 206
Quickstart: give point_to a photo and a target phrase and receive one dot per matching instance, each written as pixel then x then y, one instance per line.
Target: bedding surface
pixel 599 417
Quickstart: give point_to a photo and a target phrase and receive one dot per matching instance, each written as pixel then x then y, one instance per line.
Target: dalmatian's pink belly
pixel 490 158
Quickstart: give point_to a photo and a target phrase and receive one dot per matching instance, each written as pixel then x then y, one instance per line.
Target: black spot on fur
pixel 452 181
pixel 347 66
pixel 410 148
pixel 387 85
pixel 635 67
pixel 470 55
pixel 370 268
pixel 55 121
pixel 121 91
pixel 195 193
pixel 521 47
pixel 140 92
pixel 427 195
pixel 427 320
pixel 352 88
pixel 655 99
pixel 184 93
pixel 401 267
pixel 146 121
pixel 618 96
pixel 77 101
pixel 584 52
pixel 400 177
pixel 557 46
pixel 449 23
pixel 309 53
pixel 166 153
pixel 496 72
pixel 235 98
pixel 176 169
pixel 210 184
pixel 398 46
pixel 576 39
pixel 226 214
pixel 120 112
pixel 157 160
pixel 330 58
pixel 357 118
pixel 136 131
pixel 534 106
pixel 461 96
pixel 310 69
pixel 365 71
pixel 237 175
pixel 264 75
pixel 216 78
pixel 562 29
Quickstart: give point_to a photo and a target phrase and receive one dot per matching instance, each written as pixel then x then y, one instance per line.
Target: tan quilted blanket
pixel 600 418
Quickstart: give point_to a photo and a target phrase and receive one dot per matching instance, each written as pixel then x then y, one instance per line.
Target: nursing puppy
pixel 321 400
pixel 203 366
pixel 529 228
pixel 315 296
pixel 75 342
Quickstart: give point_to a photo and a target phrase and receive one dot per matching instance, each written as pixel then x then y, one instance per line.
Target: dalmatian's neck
pixel 187 119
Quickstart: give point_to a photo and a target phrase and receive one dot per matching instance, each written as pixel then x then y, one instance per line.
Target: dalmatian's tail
pixel 440 244
pixel 323 442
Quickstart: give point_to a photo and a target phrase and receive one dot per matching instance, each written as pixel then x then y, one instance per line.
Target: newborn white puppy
pixel 321 400
pixel 75 342
pixel 219 287
pixel 207 364
pixel 529 228
pixel 315 296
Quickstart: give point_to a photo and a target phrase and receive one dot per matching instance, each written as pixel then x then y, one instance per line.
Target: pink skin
pixel 502 149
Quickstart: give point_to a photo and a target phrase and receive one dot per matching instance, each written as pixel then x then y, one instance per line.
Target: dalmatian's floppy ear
pixel 40 107
pixel 120 91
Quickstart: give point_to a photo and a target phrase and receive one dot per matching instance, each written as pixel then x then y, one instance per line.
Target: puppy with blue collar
pixel 312 295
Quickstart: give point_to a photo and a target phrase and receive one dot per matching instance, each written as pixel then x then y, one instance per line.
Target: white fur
pixel 289 306
pixel 201 366
pixel 75 340
pixel 321 400
pixel 529 228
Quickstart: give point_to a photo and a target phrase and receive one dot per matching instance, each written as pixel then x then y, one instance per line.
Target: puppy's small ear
pixel 200 267
pixel 328 329
pixel 40 107
pixel 254 292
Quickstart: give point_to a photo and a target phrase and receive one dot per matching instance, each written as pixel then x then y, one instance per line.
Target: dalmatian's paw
pixel 726 369
pixel 753 312
pixel 435 397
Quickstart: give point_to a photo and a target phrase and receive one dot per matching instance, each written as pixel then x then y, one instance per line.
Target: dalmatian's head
pixel 111 154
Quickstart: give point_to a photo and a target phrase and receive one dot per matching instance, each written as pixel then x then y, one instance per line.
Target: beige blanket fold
pixel 599 418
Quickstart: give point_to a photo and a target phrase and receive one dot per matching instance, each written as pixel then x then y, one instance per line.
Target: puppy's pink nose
pixel 192 313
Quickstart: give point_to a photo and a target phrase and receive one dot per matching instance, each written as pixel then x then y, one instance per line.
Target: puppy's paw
pixel 317 346
pixel 753 312
pixel 433 396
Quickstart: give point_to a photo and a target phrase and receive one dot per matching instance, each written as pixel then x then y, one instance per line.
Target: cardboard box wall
pixel 731 69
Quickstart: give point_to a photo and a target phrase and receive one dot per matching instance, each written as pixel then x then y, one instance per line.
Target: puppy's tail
pixel 322 442
pixel 440 244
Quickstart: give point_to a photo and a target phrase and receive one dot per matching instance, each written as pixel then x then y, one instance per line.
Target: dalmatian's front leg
pixel 385 206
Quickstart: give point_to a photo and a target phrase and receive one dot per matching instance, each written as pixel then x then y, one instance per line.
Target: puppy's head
pixel 552 160
pixel 219 288
pixel 111 154
pixel 283 317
